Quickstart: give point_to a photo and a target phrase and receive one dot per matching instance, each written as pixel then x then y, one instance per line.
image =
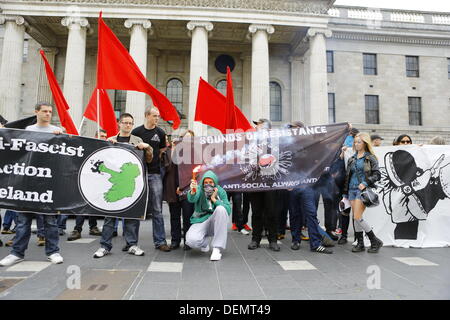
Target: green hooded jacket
pixel 204 208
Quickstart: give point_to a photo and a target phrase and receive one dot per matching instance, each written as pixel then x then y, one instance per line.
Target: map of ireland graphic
pixel 123 182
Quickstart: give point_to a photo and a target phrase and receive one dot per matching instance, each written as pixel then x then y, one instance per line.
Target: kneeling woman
pixel 210 218
pixel 362 171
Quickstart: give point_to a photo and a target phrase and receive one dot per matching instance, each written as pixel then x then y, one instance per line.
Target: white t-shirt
pixel 50 128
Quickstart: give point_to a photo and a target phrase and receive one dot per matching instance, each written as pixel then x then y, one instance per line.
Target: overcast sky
pixel 428 5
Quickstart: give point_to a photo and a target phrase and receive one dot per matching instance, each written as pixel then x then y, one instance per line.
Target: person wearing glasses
pixel 130 226
pixel 403 139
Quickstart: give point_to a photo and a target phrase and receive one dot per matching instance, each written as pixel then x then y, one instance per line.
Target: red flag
pixel 60 101
pixel 211 109
pixel 230 113
pixel 116 69
pixel 108 120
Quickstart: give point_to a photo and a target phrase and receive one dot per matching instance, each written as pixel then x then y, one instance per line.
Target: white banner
pixel 414 194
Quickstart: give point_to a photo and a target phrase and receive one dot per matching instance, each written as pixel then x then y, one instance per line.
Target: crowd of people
pixel 199 219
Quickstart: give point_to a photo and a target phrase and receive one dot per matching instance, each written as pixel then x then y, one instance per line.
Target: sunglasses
pixel 405 141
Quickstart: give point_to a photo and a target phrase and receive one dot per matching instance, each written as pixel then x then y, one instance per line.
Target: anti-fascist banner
pixel 47 173
pixel 262 160
pixel 414 193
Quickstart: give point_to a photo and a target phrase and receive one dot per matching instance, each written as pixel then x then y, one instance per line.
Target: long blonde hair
pixel 365 137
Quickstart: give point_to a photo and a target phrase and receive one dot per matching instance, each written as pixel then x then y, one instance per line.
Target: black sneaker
pixel 332 235
pixel 186 247
pixel 295 245
pixel 126 247
pixel 115 234
pixel 1 243
pixel 253 245
pixel 174 245
pixel 342 240
pixel 322 249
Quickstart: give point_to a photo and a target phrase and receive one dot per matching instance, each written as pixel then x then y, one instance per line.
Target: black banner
pixel 263 160
pixel 48 173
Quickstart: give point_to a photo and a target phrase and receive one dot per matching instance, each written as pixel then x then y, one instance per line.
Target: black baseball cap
pixel 376 136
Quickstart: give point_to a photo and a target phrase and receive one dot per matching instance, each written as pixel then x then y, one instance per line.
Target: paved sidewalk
pixel 241 274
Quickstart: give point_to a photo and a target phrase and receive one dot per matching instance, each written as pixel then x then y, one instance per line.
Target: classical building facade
pixel 384 71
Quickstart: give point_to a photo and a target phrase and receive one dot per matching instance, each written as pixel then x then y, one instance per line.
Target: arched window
pixel 275 101
pixel 174 93
pixel 222 87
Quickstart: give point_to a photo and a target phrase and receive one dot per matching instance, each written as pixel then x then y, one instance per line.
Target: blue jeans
pixel 62 221
pixel 79 221
pixel 40 225
pixel 131 231
pixel 23 233
pixel 10 216
pixel 116 224
pixel 354 194
pixel 302 203
pixel 155 196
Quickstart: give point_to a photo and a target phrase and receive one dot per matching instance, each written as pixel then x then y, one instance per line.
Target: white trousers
pixel 215 226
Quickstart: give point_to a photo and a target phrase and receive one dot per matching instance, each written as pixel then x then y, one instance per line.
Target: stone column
pixel 260 95
pixel 75 66
pixel 246 58
pixel 135 104
pixel 318 107
pixel 11 66
pixel 198 30
pixel 297 88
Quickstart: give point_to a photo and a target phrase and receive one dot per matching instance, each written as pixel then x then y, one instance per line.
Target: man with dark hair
pixel 130 226
pixel 156 138
pixel 43 113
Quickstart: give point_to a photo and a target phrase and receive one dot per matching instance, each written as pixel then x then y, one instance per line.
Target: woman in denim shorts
pixel 362 171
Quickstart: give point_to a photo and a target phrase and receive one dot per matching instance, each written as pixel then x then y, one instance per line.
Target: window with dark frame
pixel 330 61
pixel 174 93
pixel 120 101
pixel 331 108
pixel 415 111
pixel 275 101
pixel 372 109
pixel 370 63
pixel 412 66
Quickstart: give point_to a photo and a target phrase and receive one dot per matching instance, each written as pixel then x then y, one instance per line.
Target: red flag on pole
pixel 211 109
pixel 60 101
pixel 107 116
pixel 116 69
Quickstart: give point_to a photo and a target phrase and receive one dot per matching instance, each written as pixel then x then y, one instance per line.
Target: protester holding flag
pixel 362 172
pixel 131 226
pixel 153 135
pixel 43 113
pixel 210 218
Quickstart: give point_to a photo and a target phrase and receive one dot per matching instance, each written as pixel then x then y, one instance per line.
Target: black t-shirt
pixel 156 138
pixel 123 139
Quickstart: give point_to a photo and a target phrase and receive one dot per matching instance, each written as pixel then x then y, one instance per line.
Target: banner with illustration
pixel 414 193
pixel 262 160
pixel 64 174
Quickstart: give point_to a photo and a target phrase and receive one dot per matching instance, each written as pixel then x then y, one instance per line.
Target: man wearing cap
pixel 376 140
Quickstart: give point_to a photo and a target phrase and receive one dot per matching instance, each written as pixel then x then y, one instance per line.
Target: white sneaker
pixel 205 249
pixel 9 260
pixel 55 258
pixel 100 253
pixel 136 251
pixel 215 255
pixel 245 232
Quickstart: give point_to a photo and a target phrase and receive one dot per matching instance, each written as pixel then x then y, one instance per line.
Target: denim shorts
pixel 354 194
